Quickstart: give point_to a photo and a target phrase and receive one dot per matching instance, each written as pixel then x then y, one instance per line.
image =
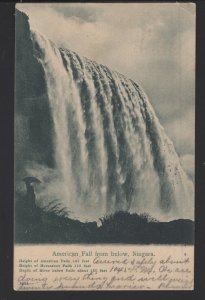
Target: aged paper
pixel 104 146
pixel 108 267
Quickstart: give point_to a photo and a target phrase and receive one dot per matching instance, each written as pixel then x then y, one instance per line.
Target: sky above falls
pixel 153 44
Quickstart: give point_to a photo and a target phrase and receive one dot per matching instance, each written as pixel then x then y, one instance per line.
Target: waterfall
pixel 111 152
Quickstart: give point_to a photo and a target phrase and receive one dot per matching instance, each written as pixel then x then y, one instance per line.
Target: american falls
pixel 110 151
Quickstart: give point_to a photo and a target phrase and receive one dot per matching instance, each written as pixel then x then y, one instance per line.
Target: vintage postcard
pixel 104 146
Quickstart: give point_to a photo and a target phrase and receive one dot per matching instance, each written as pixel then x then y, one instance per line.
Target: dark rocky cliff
pixel 33 121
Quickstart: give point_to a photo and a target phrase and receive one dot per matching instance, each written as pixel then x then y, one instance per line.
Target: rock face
pixel 33 118
pixel 92 136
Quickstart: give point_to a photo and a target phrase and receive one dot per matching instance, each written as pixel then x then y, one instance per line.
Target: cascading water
pixel 111 152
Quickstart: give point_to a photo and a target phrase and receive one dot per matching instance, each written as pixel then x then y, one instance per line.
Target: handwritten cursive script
pixel 130 273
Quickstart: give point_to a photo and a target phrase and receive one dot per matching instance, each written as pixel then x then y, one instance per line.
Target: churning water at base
pixel 111 153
